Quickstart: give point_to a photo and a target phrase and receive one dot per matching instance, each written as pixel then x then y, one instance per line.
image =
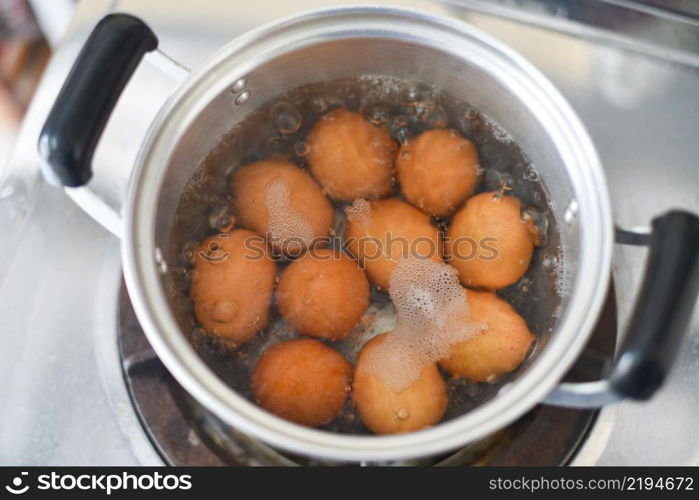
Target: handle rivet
pixel 239 86
pixel 242 98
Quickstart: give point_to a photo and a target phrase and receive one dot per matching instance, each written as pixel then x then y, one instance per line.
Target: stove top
pixel 64 396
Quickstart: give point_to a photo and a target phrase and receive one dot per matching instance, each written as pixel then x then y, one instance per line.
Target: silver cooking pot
pixel 405 44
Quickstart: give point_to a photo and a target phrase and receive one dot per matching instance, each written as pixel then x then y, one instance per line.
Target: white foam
pixel 499 133
pixel 286 226
pixel 359 211
pixel 433 315
pixel 563 279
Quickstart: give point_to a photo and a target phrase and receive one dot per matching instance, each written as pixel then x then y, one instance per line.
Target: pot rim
pixel 152 308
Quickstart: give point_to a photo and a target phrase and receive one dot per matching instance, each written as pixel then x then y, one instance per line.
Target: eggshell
pixel 280 200
pixel 232 286
pixel 323 294
pixel 437 171
pixel 500 347
pixel 350 157
pixel 384 411
pixel 302 380
pixel 488 242
pixel 389 231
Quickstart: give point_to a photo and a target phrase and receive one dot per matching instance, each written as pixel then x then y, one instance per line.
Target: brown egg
pixel 282 202
pixel 303 380
pixel 323 294
pixel 350 157
pixel 488 243
pixel 232 286
pixel 387 231
pixel 499 348
pixel 384 411
pixel 438 170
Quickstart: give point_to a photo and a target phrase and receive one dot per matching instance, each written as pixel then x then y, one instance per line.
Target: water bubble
pixel 424 109
pixel 301 148
pixel 539 221
pixel 189 276
pixel 399 128
pixel 492 179
pixel 333 102
pixel 524 284
pixel 225 223
pixel 377 114
pixel 319 104
pixel 472 390
pixel 405 155
pixel 400 121
pixel 221 218
pixel 476 125
pixel 462 125
pixel 351 100
pixel 500 135
pixel 530 174
pixel 285 117
pixel 275 144
pixel 549 261
pixel 189 251
pixel 243 97
pixel 507 183
pixel 402 414
pixel 438 118
pixel 418 92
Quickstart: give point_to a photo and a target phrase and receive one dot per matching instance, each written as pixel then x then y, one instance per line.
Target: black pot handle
pixel 663 309
pixel 658 323
pixel 78 116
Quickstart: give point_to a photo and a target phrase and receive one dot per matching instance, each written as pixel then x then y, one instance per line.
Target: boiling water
pixel 432 316
pixel 278 129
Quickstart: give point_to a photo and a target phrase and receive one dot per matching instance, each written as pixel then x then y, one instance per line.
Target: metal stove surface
pixel 63 399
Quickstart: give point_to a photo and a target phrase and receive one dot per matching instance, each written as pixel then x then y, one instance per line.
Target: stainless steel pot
pixel 406 44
